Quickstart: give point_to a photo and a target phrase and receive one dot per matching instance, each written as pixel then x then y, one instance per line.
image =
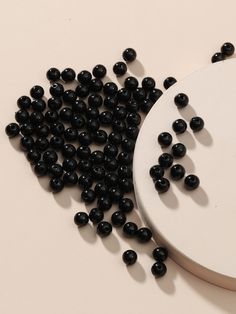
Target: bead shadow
pixel 122 78
pixel 88 233
pixel 111 243
pixel 187 139
pixel 15 143
pixel 136 68
pixel 137 272
pixel 187 112
pixel 204 137
pixel 169 199
pixel 63 198
pixel 166 283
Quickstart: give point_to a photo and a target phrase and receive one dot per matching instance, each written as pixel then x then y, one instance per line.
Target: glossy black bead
pixel 57 129
pixel 165 160
pixel 24 102
pixel 115 138
pixel 130 229
pixel 55 171
pixel 191 182
pixel 22 116
pixel 160 254
pixel 104 203
pixel 79 106
pixel 132 132
pixel 110 89
pixel 110 164
pixel 92 113
pixel 131 83
pixel 128 145
pixel 88 196
pixel 129 54
pixel 179 126
pixel 81 219
pixel 129 257
pixel 133 119
pixel 162 185
pixel 123 95
pixel 126 185
pixel 110 150
pixel 36 118
pixel 104 228
pixel 169 81
pixel 38 105
pixel 158 269
pixel 181 100
pixel 96 85
pixel 66 114
pixel 97 172
pixel 96 215
pixel 56 90
pixel 84 77
pixel 82 91
pixel 54 103
pixel 105 118
pixel 85 138
pixel 12 129
pixel 56 184
pixel 83 152
pixel 196 124
pixel 92 125
pixel 126 205
pixel 119 112
pixel 41 168
pixel 100 137
pixel 120 68
pixel 37 92
pixel 27 129
pixel 101 189
pixel 156 172
pixel 115 194
pixel 70 134
pixel 69 164
pixel 178 150
pixel 95 100
pixel 77 121
pixel 85 165
pixel 27 142
pixel 68 150
pixel 70 178
pixel 118 125
pixel 53 74
pixel 155 94
pixel 118 219
pixel 218 56
pixel 50 157
pixel 51 116
pixel 97 157
pixel 68 75
pixel 110 102
pixel 132 106
pixel 99 71
pixel 125 172
pixel 164 139
pixel 111 179
pixel 69 96
pixel 33 156
pixel 41 144
pixel 177 172
pixel 42 130
pixel 146 105
pixel 85 181
pixel 148 83
pixel 125 158
pixel 227 49
pixel 139 94
pixel 144 235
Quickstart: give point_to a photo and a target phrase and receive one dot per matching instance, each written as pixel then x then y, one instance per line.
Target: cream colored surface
pixel 46 265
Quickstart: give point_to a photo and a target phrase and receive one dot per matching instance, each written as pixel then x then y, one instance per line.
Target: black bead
pixel 51 116
pixel 125 158
pixel 118 125
pixel 110 164
pixel 56 184
pixel 57 129
pixel 146 105
pixel 88 196
pixel 82 91
pixel 100 137
pixel 131 83
pixel 24 102
pixel 106 118
pixel 83 152
pixel 41 130
pixel 66 114
pixel 41 144
pixel 120 68
pixel 70 178
pixel 218 56
pixel 27 142
pixel 133 119
pixel 22 116
pixel 84 77
pixel 99 71
pixel 104 203
pixel 92 125
pixel 125 172
pixel 155 94
pixel 132 132
pixel 68 150
pixel 160 254
pixel 148 83
pixel 178 150
pixel 95 100
pixel 177 172
pixel 97 172
pixel 130 229
pixel 68 75
pixel 84 165
pixel 101 189
pixel 12 129
pixel 77 121
pixel 97 157
pixel 115 138
pixel 38 105
pixel 85 181
pixel 69 164
pixel 120 112
pixel 126 205
pixel 70 134
pixel 56 90
pixel 55 171
pixel 132 106
pixel 81 219
pixel 115 194
pixel 110 89
pixel 129 54
pixel 156 172
pixel 227 49
pixel 123 95
pixel 128 145
pixel 181 100
pixel 53 74
pixel 111 179
pixel 79 106
pixel 33 156
pixel 92 113
pixel 110 150
pixel 139 94
pixel 28 129
pixel 169 81
pixel 50 157
pixel 158 269
pixel 126 185
pixel 96 215
pixel 54 103
pixel 110 102
pixel 41 168
pixel 96 85
pixel 191 182
pixel 179 126
pixel 37 92
pixel 144 235
pixel 85 138
pixel 162 185
pixel 129 257
pixel 196 124
pixel 36 118
pixel 118 219
pixel 104 228
pixel 69 96
pixel 164 139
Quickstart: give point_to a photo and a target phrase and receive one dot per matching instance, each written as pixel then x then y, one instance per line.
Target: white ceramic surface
pixel 198 226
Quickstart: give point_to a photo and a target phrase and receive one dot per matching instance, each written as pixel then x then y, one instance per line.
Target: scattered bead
pixel 156 172
pixel 53 74
pixel 178 150
pixel 162 185
pixel 96 215
pixel 179 126
pixel 218 56
pixel 56 184
pixel 12 129
pixel 160 254
pixel 129 257
pixel 118 219
pixel 177 172
pixel 126 205
pixel 99 71
pixel 144 235
pixel 104 228
pixel 181 100
pixel 68 75
pixel 81 219
pixel 227 49
pixel 165 160
pixel 191 182
pixel 164 139
pixel 196 124
pixel 158 269
pixel 130 229
pixel 169 81
pixel 129 54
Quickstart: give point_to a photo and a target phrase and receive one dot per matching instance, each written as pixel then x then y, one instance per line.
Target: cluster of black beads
pixel 227 50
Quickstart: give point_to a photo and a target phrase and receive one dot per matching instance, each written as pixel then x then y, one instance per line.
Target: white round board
pixel 198 227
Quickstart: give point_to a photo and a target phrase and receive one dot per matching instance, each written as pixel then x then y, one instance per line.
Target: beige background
pixel 46 265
